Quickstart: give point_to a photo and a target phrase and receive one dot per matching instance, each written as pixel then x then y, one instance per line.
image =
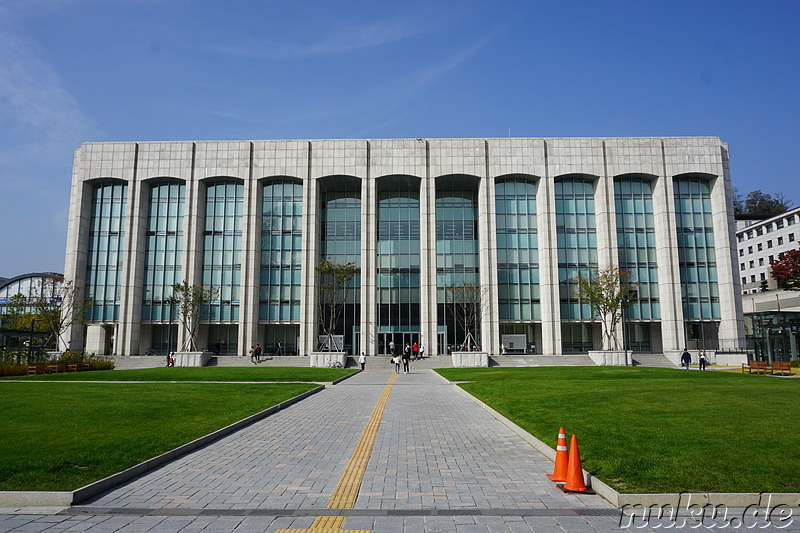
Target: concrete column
pixel 130 314
pixel 731 328
pixel 487 242
pixel 368 323
pixel 193 227
pixel 427 260
pixel 669 277
pixel 310 259
pixel 77 249
pixel 548 266
pixel 606 228
pixel 251 263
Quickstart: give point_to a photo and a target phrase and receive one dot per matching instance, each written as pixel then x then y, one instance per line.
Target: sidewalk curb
pixel 688 500
pixel 67 498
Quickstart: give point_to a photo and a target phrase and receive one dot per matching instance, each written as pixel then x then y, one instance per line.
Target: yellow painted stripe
pixel 346 492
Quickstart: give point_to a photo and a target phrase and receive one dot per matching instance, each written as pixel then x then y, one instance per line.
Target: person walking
pixel 362 360
pixel 686 358
pixel 257 354
pixel 279 348
pixel 396 362
pixel 406 357
pixel 701 357
pixel 422 351
pixel 415 351
pixel 391 347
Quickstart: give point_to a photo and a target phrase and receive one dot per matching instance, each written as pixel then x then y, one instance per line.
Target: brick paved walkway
pixel 439 463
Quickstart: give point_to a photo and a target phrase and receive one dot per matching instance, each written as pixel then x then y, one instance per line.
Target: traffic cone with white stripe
pixel 562 458
pixel 574 483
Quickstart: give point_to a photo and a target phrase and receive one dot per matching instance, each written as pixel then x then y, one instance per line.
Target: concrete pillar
pixel 310 259
pixel 548 265
pixel 251 262
pixel 606 228
pixel 673 336
pixel 427 260
pixel 487 242
pixel 368 323
pixel 193 227
pixel 130 313
pixel 77 249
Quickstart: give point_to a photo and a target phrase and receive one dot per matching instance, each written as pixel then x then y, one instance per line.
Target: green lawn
pixel 243 373
pixel 645 430
pixel 61 436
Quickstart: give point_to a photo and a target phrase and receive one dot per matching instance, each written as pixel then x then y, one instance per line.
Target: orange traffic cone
pixel 574 483
pixel 562 458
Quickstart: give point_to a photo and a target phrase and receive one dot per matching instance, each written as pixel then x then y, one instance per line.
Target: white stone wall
pixel 545 160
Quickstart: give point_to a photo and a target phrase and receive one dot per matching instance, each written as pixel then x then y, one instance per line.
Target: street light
pixel 30 340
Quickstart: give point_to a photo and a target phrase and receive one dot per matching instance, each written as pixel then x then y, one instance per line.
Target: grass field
pixel 645 430
pixel 61 436
pixel 243 374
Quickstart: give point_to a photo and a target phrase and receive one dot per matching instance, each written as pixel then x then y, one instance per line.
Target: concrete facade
pixel 426 162
pixel 759 242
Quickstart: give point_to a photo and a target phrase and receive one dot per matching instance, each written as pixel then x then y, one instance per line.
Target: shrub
pixel 796 363
pixel 13 369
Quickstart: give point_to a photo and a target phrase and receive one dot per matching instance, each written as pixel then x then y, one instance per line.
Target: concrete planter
pixel 192 358
pixel 327 359
pixel 470 359
pixel 611 357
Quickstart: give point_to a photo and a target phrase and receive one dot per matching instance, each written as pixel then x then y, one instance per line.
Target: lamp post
pixel 30 340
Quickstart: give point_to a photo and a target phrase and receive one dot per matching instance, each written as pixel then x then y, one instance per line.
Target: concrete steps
pixel 540 360
pixel 652 359
pixel 130 362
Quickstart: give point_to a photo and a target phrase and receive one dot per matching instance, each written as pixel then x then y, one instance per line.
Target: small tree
pixel 786 270
pixel 333 287
pixel 192 302
pixel 608 292
pixel 58 304
pixel 467 298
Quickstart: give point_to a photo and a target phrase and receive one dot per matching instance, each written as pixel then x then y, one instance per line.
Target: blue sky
pixel 74 71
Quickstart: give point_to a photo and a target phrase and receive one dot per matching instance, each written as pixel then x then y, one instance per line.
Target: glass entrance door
pixel 400 338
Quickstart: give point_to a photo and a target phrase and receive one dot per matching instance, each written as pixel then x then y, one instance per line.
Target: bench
pixel 55 368
pixel 77 367
pixel 36 368
pixel 759 367
pixel 781 367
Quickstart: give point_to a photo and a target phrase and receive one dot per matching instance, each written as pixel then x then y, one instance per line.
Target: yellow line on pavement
pixel 346 492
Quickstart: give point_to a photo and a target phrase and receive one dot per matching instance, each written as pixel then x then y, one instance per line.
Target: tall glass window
pixel 222 264
pixel 696 252
pixel 341 241
pixel 456 249
pixel 517 249
pixel 398 281
pixel 281 245
pixel 106 247
pixel 636 242
pixel 163 249
pixel 576 238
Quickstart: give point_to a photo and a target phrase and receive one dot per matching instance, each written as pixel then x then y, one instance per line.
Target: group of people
pixel 686 359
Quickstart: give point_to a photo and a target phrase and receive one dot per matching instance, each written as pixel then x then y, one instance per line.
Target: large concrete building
pixel 518 217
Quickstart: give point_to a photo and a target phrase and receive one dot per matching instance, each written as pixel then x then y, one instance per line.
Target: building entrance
pixel 400 339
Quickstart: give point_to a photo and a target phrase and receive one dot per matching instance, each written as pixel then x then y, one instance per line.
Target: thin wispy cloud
pixel 38 116
pixel 344 40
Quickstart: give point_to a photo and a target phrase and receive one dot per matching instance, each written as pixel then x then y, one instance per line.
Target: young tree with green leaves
pixel 333 287
pixel 192 303
pixel 608 292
